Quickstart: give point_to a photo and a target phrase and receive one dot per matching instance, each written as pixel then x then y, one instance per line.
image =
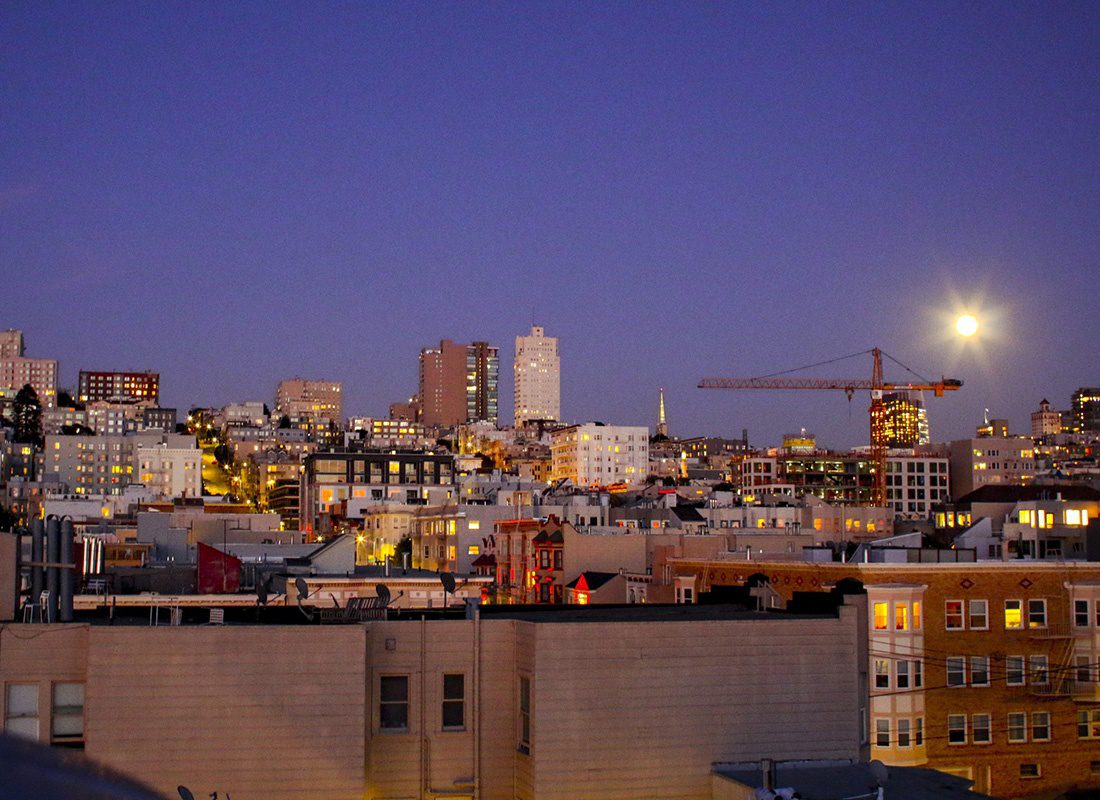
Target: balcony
pixel 1054 630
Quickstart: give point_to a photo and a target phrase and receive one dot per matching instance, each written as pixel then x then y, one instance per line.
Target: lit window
pixel 882 616
pixel 901 616
pixel 916 615
pixel 1014 617
pixel 953 615
pixel 1036 613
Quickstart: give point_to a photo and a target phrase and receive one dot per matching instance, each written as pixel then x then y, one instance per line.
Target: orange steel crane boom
pixel 876 385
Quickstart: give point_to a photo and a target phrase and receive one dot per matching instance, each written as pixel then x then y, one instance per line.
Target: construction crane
pixel 876 385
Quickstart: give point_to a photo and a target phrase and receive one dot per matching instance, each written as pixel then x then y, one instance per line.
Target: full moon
pixel 966 325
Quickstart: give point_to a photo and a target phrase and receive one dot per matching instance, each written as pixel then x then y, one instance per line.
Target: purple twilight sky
pixel 231 193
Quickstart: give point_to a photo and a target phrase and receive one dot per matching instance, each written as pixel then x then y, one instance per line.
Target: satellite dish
pixel 383 593
pixel 263 589
pixel 303 589
pixel 879 772
pixel 185 793
pixel 448 580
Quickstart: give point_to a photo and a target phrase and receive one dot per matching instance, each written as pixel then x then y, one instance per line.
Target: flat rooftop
pixel 638 613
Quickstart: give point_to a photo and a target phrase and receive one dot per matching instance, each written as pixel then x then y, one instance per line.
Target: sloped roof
pixel 485 560
pixel 592 580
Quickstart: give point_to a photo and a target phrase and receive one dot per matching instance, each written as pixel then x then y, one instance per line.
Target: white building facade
pixel 537 376
pixel 600 455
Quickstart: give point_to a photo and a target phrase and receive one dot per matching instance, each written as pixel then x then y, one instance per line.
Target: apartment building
pixel 96 465
pixel 40 373
pixel 990 460
pixel 914 484
pixel 332 479
pixel 595 454
pixel 458 383
pixel 169 472
pixel 985 670
pixel 118 386
pixel 508 704
pixel 537 369
pixel 313 402
pixel 11 343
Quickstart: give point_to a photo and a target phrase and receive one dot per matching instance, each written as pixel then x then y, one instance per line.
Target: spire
pixel 662 421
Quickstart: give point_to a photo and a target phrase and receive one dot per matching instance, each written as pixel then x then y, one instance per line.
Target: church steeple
pixel 662 421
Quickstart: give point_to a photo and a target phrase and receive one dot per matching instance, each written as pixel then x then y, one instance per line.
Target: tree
pixel 284 422
pixel 65 400
pixel 28 416
pixel 404 546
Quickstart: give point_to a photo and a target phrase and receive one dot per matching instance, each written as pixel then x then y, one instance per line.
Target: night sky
pixel 232 193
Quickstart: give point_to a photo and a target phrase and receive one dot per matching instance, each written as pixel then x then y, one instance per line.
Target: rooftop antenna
pixel 303 594
pixel 383 593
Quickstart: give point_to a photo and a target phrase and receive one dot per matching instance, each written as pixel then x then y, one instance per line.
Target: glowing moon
pixel 966 325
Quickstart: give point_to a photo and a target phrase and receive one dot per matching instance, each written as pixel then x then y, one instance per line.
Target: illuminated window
pixel 474 525
pixel 1014 615
pixel 882 616
pixel 953 615
pixel 901 616
pixel 1036 613
pixel 916 615
pixel 473 550
pixel 1025 516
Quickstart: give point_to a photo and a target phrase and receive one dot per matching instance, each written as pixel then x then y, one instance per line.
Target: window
pixel 882 616
pixel 1083 673
pixel 956 671
pixel 980 729
pixel 525 714
pixel 393 703
pixel 1081 613
pixel 21 710
pixel 916 615
pixel 1088 724
pixel 979 670
pixel 979 615
pixel 1036 613
pixel 1014 620
pixel 1040 726
pixel 918 731
pixel 882 733
pixel 1017 727
pixel 1039 670
pixel 904 739
pixel 918 674
pixel 901 616
pixel 1030 771
pixel 882 673
pixel 956 728
pixel 1014 670
pixel 953 615
pixel 454 702
pixel 67 717
pixel 902 668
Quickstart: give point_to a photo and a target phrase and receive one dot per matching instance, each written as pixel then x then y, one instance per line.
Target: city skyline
pixel 701 191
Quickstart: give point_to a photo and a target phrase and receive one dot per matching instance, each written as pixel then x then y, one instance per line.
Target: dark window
pixel 393 705
pixel 454 702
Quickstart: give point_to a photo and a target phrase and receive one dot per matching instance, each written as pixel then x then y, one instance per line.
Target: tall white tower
pixel 538 377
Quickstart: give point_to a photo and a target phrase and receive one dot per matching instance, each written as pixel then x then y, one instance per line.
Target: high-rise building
pixel 905 420
pixel 1045 422
pixel 11 343
pixel 116 386
pixel 1086 410
pixel 538 377
pixel 310 401
pixel 458 383
pixel 41 373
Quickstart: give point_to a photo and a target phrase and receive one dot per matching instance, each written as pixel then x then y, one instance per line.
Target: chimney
pixel 767 774
pixel 66 575
pixel 53 574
